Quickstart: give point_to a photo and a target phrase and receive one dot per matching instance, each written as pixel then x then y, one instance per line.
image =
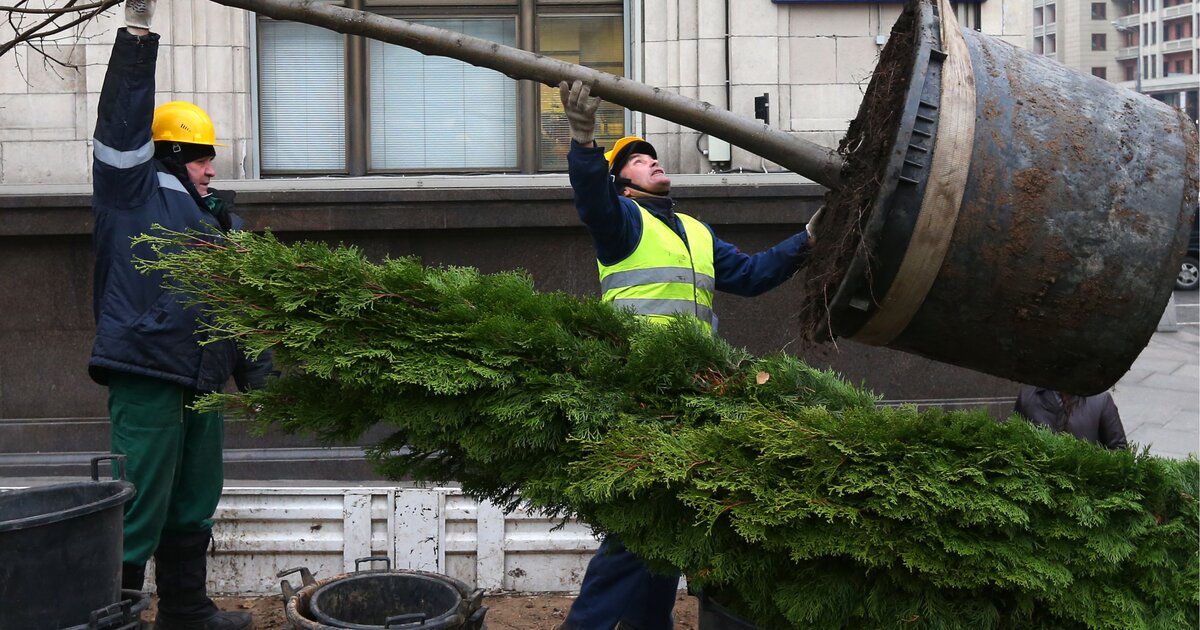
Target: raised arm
pixel 123 172
pixel 615 225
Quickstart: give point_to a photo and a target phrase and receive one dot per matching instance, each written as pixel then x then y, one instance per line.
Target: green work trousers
pixel 172 457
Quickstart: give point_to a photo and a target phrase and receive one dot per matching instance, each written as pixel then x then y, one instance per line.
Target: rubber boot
pixel 181 572
pixel 133 577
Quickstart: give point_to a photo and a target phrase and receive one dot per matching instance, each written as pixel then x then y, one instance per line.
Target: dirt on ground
pixel 505 611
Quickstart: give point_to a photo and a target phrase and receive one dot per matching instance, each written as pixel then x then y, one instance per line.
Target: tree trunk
pixel 811 160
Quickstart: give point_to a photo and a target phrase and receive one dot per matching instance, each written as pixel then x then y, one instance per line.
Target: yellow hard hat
pixel 625 147
pixel 179 121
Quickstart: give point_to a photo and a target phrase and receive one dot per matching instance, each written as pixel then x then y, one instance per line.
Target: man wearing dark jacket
pixel 1092 418
pixel 659 263
pixel 153 166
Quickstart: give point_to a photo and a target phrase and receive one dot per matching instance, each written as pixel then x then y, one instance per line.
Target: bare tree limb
pixel 80 20
pixel 49 26
pixel 816 162
pixel 55 10
pixel 32 32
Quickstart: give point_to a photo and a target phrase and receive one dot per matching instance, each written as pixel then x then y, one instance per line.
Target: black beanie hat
pixel 182 152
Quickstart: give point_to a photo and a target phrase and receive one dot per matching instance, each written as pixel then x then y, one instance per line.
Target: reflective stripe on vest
pixel 662 277
pixel 666 308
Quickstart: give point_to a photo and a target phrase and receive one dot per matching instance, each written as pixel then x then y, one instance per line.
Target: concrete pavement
pixel 1159 398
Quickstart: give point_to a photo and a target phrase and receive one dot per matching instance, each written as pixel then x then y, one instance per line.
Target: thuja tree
pixel 775 485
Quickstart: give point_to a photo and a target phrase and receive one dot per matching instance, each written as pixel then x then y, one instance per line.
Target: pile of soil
pixel 867 149
pixel 506 611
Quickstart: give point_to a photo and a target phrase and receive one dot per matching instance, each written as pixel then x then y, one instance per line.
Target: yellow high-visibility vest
pixel 662 276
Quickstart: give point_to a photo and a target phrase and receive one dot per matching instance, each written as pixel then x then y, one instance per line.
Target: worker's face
pixel 200 172
pixel 643 170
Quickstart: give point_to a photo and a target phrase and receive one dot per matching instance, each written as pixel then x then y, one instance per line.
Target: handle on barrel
pixel 405 619
pixel 475 599
pixel 116 457
pixel 387 562
pixel 112 614
pixel 306 578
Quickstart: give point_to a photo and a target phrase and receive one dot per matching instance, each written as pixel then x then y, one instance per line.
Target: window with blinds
pixel 431 113
pixel 301 97
pixel 388 109
pixel 596 42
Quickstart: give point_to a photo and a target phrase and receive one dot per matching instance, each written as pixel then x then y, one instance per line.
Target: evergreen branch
pixel 778 486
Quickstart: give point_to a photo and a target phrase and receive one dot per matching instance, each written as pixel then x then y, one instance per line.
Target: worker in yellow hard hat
pixel 661 264
pixel 184 135
pixel 152 350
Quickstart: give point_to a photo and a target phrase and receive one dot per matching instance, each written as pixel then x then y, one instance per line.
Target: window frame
pixel 524 13
pixel 362 150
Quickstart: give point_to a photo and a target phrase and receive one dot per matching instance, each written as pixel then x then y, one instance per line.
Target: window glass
pixel 301 98
pixel 597 42
pixel 438 113
pixel 390 109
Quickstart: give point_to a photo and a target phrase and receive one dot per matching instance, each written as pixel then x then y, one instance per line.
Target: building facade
pixel 1149 46
pixel 292 100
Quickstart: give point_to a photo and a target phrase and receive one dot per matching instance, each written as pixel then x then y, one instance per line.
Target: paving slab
pixel 1159 398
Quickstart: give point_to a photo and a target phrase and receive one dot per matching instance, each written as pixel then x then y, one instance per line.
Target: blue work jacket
pixel 142 327
pixel 616 228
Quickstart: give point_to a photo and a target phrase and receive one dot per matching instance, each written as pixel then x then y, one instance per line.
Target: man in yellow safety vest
pixel 659 263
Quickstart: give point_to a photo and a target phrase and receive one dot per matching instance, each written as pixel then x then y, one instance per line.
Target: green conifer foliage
pixel 779 487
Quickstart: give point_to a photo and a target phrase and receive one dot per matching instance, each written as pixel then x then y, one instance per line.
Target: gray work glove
pixel 812 236
pixel 138 13
pixel 580 107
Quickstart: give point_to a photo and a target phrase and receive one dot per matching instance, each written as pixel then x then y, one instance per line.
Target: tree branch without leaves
pixel 35 36
pixel 816 162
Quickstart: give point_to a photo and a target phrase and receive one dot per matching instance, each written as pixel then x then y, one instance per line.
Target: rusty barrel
pixel 1029 219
